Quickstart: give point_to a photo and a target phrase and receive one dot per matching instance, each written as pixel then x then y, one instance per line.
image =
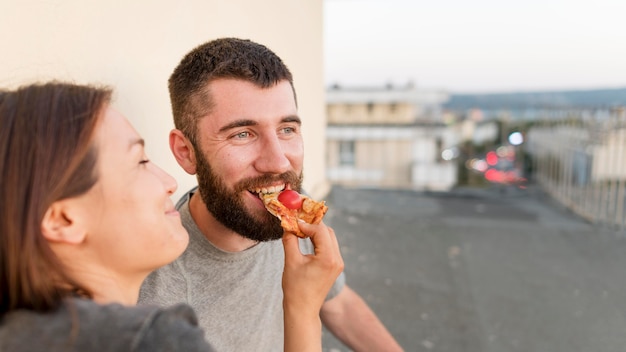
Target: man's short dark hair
pixel 224 58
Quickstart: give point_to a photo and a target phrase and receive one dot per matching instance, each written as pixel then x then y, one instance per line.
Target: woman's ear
pixel 61 223
pixel 183 151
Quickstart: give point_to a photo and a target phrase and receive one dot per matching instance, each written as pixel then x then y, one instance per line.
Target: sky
pixel 476 46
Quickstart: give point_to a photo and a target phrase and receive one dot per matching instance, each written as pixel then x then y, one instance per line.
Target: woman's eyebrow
pixel 136 141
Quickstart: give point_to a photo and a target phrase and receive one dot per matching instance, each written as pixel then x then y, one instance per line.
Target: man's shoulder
pixel 164 286
pixel 184 199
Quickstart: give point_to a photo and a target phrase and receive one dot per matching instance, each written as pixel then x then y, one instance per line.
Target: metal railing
pixel 579 158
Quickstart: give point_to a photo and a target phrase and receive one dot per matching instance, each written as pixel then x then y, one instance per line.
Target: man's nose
pixel 272 156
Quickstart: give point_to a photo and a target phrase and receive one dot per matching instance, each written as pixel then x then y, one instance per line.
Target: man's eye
pixel 289 130
pixel 242 135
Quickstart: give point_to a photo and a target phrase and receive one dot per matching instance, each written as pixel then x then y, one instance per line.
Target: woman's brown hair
pixel 46 154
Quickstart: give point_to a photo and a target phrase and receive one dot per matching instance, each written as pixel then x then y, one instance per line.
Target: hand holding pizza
pixel 307 278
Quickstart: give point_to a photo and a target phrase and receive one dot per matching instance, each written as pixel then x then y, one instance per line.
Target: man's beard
pixel 227 206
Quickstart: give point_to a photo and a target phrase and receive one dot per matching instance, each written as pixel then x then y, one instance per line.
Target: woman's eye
pixel 144 161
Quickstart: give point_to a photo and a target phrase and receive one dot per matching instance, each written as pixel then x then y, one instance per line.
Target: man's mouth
pixel 266 190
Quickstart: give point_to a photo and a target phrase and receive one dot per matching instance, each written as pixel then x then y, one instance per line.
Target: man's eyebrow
pixel 238 123
pixel 246 122
pixel 293 118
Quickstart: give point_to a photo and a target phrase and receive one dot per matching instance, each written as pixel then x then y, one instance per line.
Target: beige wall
pixel 381 113
pixel 134 45
pixel 377 163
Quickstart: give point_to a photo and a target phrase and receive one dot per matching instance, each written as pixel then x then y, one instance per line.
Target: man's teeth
pixel 272 189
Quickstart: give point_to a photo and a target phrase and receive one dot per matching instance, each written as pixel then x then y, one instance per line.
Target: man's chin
pixel 263 227
pixel 264 232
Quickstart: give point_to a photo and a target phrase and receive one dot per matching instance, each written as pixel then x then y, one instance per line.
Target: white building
pixel 390 137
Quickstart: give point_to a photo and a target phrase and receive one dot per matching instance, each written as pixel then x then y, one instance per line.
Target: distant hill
pixel 599 98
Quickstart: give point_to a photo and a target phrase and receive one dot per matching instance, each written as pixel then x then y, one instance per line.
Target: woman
pixel 85 217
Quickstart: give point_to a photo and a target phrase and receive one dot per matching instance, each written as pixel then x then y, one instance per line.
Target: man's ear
pixel 61 223
pixel 183 151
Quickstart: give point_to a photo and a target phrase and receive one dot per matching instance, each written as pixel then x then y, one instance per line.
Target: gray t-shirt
pixel 236 295
pixel 82 325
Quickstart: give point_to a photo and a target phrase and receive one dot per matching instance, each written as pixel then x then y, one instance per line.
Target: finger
pixel 333 246
pixel 291 247
pixel 318 233
pixel 333 239
pixel 336 249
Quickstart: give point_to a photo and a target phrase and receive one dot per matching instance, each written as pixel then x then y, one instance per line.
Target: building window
pixel 346 153
pixel 370 108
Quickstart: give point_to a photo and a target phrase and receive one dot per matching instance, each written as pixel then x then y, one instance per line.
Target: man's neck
pixel 214 231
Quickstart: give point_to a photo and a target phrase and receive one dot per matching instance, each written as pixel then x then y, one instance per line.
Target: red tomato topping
pixel 290 198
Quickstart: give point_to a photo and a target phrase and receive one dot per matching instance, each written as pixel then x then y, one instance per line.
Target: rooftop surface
pixel 482 270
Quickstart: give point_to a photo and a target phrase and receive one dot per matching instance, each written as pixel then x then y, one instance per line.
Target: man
pixel 238 130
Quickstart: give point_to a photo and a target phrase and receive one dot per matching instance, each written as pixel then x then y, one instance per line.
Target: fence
pixel 579 158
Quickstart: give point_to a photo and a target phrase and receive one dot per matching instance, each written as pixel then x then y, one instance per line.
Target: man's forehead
pixel 240 103
pixel 218 89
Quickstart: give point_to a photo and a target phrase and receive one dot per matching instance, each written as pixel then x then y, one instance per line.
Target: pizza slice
pixel 300 207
